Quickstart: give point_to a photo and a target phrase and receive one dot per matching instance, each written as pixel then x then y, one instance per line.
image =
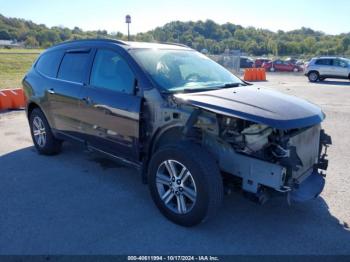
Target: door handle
pixel 51 91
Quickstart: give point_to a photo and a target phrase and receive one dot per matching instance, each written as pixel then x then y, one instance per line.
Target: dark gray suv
pixel 187 124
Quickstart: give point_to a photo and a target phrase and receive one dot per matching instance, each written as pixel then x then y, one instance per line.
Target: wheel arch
pixel 30 107
pixel 166 135
pixel 313 71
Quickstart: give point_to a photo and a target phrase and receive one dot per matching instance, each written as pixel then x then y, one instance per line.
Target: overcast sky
pixel 330 16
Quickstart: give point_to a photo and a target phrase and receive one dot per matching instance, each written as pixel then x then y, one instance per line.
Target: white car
pixel 328 67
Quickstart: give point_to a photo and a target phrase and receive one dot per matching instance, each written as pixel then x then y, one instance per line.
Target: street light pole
pixel 128 21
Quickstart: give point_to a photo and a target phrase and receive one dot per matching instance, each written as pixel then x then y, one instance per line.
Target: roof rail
pixel 177 44
pixel 92 39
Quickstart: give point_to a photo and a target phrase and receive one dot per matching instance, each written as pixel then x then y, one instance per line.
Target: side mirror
pixel 136 87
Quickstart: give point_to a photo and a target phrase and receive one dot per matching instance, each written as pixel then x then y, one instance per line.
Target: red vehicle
pixel 260 61
pixel 281 66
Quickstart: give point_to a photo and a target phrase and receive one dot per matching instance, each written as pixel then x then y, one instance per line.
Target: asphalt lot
pixel 79 203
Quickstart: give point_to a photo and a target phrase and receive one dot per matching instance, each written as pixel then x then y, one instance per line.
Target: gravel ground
pixel 80 203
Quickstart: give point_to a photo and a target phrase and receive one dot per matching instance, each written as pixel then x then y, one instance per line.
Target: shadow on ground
pixel 333 82
pixel 76 203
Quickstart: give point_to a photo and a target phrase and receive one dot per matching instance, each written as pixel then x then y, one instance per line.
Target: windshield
pixel 181 70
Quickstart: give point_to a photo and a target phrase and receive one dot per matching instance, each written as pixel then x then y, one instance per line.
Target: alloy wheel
pixel 39 131
pixel 176 186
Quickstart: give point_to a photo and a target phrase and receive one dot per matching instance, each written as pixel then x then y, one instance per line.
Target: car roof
pixel 329 57
pixel 124 44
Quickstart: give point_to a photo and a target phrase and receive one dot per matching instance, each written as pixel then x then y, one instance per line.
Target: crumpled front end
pixel 309 183
pixel 267 139
pixel 291 162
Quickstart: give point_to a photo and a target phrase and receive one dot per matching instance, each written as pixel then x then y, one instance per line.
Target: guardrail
pixel 254 74
pixel 12 99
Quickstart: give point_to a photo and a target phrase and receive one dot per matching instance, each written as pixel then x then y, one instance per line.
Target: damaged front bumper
pixel 263 179
pixel 312 186
pixel 309 189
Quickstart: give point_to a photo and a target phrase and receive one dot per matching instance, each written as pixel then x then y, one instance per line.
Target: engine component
pixel 256 137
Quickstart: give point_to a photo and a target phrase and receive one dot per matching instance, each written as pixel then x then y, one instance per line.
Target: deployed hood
pixel 257 104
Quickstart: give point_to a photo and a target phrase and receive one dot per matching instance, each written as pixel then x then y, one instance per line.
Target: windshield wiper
pixel 201 89
pixel 229 85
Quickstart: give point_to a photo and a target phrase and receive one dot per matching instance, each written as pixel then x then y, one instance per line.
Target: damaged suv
pixel 186 123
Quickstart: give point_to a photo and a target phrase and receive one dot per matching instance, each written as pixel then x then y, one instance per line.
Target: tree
pixel 31 42
pixel 4 35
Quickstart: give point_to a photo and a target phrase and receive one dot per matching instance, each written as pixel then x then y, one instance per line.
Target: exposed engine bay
pixel 299 153
pixel 265 139
pixel 297 149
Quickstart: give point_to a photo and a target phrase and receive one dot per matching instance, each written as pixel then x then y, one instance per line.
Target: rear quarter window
pixel 48 63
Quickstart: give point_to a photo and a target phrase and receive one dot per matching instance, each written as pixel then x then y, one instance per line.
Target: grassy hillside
pixel 13 66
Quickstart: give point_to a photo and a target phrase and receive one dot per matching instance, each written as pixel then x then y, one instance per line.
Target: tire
pixel 313 76
pixel 203 179
pixel 43 139
pixel 295 70
pixel 272 69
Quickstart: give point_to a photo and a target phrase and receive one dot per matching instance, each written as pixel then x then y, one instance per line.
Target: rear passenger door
pixel 66 94
pixel 111 108
pixel 325 66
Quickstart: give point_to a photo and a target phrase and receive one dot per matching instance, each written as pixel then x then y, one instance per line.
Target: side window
pixel 74 66
pixel 340 63
pixel 49 62
pixel 326 62
pixel 112 72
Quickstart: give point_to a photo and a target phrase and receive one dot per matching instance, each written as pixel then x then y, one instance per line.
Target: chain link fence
pixel 230 60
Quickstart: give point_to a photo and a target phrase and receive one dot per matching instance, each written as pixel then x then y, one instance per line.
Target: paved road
pixel 80 203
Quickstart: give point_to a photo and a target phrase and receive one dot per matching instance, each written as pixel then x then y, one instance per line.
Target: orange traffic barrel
pixel 247 74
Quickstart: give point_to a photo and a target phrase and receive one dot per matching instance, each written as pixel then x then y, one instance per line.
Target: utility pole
pixel 128 21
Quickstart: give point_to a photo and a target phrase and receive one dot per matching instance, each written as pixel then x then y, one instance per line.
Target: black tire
pixel 51 146
pixel 205 174
pixel 313 76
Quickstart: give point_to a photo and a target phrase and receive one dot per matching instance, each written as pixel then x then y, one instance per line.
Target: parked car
pixel 178 117
pixel 246 62
pixel 281 66
pixel 291 60
pixel 318 69
pixel 260 61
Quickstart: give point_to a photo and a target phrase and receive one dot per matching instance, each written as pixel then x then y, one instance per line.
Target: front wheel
pixel 185 183
pixel 43 139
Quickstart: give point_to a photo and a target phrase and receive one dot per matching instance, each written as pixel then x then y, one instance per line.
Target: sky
pixel 329 16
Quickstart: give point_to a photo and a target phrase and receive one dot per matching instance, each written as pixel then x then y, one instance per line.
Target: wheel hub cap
pixel 176 186
pixel 39 131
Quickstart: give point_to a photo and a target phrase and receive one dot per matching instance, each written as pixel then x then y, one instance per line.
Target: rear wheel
pixel 42 136
pixel 272 69
pixel 187 188
pixel 313 76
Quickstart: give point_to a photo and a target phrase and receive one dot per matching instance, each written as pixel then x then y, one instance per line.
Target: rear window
pixel 49 62
pixel 73 67
pixel 323 62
